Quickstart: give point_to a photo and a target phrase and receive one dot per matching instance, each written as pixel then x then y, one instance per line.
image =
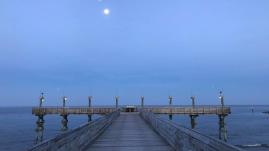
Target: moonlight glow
pixel 106 11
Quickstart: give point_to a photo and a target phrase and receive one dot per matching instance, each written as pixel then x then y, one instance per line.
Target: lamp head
pixel 65 98
pixel 192 97
pixel 42 98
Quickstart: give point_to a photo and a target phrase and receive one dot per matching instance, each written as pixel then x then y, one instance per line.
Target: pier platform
pixel 142 130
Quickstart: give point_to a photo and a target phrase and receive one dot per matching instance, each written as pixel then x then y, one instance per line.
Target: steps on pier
pixel 129 132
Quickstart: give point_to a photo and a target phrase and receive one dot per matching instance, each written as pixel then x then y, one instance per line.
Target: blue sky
pixel 154 48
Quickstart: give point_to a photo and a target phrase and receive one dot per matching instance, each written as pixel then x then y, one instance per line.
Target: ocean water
pixel 17 126
pixel 246 129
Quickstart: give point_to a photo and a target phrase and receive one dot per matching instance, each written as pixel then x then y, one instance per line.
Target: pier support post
pixel 90 106
pixel 89 117
pixel 222 128
pixel 64 122
pixel 39 129
pixel 193 122
pixel 170 116
pixel 142 101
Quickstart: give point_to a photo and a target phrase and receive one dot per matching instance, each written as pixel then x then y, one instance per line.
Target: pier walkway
pixel 129 132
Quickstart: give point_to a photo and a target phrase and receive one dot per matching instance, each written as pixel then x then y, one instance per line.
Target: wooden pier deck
pixel 129 132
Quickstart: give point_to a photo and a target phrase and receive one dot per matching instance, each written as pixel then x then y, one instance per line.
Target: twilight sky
pixel 153 48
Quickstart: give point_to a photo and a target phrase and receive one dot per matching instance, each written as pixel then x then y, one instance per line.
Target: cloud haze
pixel 153 48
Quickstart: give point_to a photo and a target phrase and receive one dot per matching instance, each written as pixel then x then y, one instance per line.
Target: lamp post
pixel 170 98
pixel 64 100
pixel 221 97
pixel 142 101
pixel 117 101
pixel 90 101
pixel 41 99
pixel 193 101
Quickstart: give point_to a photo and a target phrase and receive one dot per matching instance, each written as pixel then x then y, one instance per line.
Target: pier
pixel 132 128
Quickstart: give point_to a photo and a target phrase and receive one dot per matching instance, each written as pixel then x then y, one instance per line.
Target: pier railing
pixel 184 139
pixel 189 110
pixel 71 110
pixel 79 138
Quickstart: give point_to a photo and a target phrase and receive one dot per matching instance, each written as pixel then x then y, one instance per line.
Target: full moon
pixel 106 11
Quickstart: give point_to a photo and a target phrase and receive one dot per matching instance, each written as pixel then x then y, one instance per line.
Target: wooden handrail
pixel 76 139
pixel 182 138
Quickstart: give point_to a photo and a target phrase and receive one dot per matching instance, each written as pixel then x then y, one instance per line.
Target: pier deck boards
pixel 129 132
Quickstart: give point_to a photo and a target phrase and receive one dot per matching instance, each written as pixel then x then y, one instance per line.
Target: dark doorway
pixel 130 109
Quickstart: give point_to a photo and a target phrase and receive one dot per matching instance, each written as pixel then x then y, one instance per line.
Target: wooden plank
pixel 129 132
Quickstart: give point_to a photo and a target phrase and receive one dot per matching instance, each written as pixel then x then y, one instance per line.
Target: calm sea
pixel 17 126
